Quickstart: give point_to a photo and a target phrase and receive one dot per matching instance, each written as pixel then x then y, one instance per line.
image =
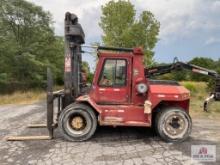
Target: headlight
pixel 142 88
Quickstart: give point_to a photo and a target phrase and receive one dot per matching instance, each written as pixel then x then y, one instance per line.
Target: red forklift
pixel 123 93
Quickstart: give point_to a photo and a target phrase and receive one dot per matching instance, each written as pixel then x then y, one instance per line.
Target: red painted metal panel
pixel 119 114
pixel 138 77
pixel 159 93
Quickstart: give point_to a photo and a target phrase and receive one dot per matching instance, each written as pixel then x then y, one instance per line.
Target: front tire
pixel 173 124
pixel 77 122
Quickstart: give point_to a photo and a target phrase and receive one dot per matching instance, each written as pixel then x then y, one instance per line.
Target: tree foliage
pixel 203 62
pixel 86 69
pixel 28 45
pixel 122 29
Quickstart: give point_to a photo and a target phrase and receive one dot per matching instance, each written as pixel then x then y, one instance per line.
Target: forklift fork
pixel 51 124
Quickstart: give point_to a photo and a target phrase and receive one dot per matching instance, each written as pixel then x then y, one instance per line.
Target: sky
pixel 189 28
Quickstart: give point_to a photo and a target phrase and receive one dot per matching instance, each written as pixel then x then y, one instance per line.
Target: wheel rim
pixel 77 125
pixel 175 125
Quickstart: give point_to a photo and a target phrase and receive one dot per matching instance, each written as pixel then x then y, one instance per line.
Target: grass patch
pixel 197 89
pixel 25 97
pixel 21 97
pixel 190 86
pixel 199 92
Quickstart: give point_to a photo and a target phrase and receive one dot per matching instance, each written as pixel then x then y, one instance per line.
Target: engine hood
pixel 158 93
pixel 168 89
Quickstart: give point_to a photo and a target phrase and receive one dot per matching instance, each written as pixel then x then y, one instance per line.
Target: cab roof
pixel 119 51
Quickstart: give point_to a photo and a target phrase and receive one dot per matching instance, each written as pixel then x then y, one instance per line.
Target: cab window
pixel 113 73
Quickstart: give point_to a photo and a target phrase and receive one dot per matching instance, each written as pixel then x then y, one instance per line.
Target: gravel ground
pixel 121 145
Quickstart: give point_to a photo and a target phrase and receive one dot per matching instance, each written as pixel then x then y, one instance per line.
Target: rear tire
pixel 173 124
pixel 77 122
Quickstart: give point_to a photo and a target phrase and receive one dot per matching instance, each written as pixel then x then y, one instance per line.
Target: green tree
pixel 121 29
pixel 217 66
pixel 86 69
pixel 28 45
pixel 203 62
pixel 180 75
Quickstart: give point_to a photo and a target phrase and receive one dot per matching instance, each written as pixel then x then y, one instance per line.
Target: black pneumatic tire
pixel 67 115
pixel 163 125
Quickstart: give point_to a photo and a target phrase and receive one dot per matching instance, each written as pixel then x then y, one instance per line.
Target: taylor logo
pixel 203 153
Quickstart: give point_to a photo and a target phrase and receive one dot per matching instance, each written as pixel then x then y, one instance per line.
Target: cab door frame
pixel 114 95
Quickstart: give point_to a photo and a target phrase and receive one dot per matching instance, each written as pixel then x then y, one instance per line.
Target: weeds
pixel 199 92
pixel 20 97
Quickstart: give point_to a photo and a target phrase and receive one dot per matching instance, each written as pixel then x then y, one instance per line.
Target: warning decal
pixel 67 63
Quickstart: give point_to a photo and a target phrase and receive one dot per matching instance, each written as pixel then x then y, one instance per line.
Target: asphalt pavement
pixel 120 145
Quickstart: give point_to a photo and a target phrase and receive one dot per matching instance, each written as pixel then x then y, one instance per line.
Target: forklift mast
pixel 74 37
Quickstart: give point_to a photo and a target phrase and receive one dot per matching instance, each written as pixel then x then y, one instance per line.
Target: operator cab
pixel 114 79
